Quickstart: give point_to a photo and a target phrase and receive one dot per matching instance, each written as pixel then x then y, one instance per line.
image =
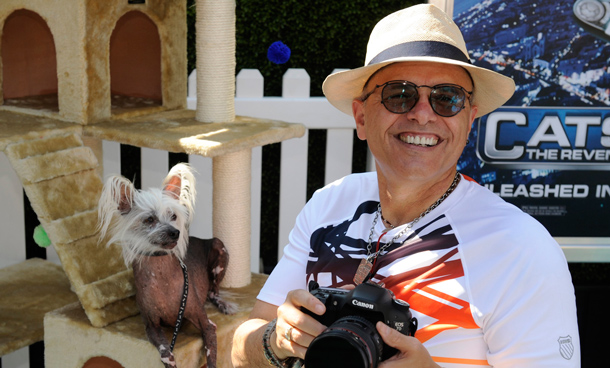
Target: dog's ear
pixel 173 184
pixel 180 182
pixel 125 198
pixel 117 197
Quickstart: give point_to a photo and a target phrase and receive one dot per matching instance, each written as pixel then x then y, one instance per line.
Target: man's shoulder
pixel 365 177
pixel 358 182
pixel 342 197
pixel 474 195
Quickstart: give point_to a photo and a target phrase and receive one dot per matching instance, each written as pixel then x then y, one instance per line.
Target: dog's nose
pixel 174 234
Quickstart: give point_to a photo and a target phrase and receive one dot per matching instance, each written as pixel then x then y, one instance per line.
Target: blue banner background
pixel 560 69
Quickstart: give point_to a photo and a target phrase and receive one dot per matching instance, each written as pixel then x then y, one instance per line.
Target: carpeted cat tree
pixel 77 72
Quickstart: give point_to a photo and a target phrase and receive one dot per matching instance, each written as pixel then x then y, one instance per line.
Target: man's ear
pixel 358 112
pixel 473 114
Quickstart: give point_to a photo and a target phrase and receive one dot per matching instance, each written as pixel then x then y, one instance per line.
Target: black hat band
pixel 421 48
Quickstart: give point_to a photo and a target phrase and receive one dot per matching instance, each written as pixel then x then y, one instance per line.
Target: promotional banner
pixel 548 149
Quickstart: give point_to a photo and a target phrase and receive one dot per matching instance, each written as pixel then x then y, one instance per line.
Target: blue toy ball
pixel 278 53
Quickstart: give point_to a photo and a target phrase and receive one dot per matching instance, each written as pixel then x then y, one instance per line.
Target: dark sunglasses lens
pixel 447 100
pixel 399 97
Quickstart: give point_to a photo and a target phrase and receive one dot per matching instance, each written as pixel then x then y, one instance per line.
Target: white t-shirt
pixel 487 283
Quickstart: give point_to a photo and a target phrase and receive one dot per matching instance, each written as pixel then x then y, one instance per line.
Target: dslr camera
pixel 351 339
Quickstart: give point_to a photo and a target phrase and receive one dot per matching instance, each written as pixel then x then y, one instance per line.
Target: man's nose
pixel 422 111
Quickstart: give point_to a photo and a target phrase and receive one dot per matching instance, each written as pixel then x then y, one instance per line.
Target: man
pixel 487 283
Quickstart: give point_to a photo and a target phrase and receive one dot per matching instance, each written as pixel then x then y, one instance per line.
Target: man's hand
pixel 295 330
pixel 411 353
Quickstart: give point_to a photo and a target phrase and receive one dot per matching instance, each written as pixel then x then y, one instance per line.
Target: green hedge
pixel 322 35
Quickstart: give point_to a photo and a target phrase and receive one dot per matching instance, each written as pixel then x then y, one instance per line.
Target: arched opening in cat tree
pixel 102 362
pixel 29 64
pixel 135 63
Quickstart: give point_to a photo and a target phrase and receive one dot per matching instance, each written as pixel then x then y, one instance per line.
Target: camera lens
pixel 351 341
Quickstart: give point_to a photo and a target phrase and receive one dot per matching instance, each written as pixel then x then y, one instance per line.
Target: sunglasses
pixel 399 97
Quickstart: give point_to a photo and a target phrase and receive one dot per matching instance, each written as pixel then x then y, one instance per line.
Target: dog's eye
pixel 149 220
pixel 174 217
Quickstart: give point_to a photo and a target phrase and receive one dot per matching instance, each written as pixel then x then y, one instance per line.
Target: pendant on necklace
pixel 363 271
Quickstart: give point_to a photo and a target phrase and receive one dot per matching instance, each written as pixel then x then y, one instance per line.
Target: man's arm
pixel 247 341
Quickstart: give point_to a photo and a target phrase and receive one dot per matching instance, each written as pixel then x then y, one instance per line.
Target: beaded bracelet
pixel 269 354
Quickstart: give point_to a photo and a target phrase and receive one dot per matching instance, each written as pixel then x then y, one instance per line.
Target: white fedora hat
pixel 419 33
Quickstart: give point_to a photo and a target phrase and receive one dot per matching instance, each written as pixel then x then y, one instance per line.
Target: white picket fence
pixel 294 106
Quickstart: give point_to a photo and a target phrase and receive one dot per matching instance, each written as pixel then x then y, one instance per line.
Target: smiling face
pixel 418 145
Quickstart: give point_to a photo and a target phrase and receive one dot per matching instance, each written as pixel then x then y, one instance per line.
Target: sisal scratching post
pixel 215 61
pixel 215 104
pixel 231 223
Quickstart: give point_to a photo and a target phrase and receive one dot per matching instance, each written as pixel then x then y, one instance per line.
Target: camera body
pixel 351 316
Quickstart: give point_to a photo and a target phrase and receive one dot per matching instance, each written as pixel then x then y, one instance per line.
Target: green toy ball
pixel 40 237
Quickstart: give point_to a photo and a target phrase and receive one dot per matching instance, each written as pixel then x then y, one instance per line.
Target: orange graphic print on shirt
pixel 414 286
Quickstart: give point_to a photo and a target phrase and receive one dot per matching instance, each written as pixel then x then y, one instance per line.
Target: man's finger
pixel 302 298
pixel 390 335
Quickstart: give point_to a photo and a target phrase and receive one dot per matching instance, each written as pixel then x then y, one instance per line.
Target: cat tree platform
pixel 16 127
pixel 178 131
pixel 71 341
pixel 29 290
pixel 174 131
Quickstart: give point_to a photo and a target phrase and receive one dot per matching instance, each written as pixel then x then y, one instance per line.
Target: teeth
pixel 420 141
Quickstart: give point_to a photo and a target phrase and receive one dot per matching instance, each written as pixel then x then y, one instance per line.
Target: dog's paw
pixel 226 307
pixel 230 308
pixel 167 358
pixel 222 305
pixel 169 362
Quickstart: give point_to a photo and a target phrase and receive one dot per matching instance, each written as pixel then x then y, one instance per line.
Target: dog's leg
pixel 157 338
pixel 208 333
pixel 218 259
